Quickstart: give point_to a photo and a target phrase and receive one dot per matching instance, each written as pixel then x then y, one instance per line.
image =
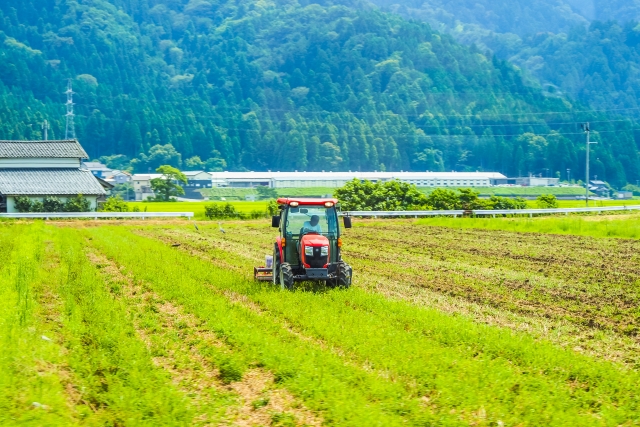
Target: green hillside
pixel 242 85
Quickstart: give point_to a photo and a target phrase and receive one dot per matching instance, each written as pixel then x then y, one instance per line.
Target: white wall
pixel 11 208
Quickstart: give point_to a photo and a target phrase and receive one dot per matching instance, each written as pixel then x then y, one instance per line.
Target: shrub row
pixel 53 204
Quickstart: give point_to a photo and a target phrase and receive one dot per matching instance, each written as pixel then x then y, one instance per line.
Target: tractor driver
pixel 312 225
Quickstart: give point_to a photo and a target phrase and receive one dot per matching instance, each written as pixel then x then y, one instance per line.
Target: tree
pixel 167 187
pixel 443 199
pixel 194 163
pixel 382 196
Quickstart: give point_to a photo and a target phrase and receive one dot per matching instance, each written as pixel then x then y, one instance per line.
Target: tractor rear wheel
pixel 344 275
pixel 286 276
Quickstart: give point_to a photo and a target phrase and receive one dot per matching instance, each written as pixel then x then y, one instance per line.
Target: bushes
pixel 547 201
pixel 52 204
pixel 227 210
pixel 394 195
pixel 220 211
pixel 115 204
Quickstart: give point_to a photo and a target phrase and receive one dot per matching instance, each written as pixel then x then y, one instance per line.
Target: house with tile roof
pixel 37 169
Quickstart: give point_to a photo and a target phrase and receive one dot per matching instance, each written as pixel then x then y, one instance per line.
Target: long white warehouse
pixel 338 179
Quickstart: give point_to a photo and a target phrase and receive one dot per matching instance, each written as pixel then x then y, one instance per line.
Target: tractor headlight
pixel 324 251
pixel 308 250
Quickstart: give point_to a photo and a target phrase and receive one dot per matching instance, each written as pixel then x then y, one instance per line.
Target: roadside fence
pixel 456 213
pixel 96 215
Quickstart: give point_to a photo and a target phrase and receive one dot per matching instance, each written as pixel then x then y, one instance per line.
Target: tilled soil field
pixel 580 291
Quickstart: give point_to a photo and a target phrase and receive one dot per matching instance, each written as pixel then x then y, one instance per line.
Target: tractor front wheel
pixel 344 275
pixel 286 277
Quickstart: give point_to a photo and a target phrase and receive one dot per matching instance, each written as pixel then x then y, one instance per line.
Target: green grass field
pixel 161 324
pixel 197 207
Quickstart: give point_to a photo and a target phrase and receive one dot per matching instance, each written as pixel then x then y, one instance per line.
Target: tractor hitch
pixel 263 274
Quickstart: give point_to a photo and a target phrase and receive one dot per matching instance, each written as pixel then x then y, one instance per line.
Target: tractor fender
pixel 279 244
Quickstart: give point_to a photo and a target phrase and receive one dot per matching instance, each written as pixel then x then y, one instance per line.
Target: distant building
pixel 196 180
pixel 600 188
pixel 338 179
pixel 97 169
pixel 118 177
pixel 529 181
pixel 37 169
pixel 624 195
pixel 142 185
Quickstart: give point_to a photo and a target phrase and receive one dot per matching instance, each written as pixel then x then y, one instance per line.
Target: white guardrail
pixel 96 215
pixel 456 213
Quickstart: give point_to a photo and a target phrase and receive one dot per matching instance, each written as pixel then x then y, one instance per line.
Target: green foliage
pixel 230 371
pixel 167 187
pixel 379 196
pixel 468 200
pixel 220 211
pixel 443 199
pixel 77 203
pixel 36 206
pixel 167 85
pixel 265 193
pixel 506 203
pixel 115 204
pixel 23 204
pixel 547 201
pixel 52 204
pixel 117 161
pixel 124 191
pixel 272 208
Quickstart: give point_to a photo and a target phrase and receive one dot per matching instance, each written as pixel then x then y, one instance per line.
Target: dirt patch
pixel 258 400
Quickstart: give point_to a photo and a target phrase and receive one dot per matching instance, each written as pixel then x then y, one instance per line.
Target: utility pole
pixel 45 130
pixel 569 175
pixel 70 131
pixel 587 130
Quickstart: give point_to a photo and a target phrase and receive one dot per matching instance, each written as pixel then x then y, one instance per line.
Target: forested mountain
pixel 587 50
pixel 286 85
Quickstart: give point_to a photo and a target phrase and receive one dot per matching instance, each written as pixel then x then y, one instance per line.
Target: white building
pixel 142 185
pixel 338 179
pixel 37 169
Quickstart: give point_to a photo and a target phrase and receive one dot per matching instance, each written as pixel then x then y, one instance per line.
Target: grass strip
pixel 31 388
pixel 342 393
pixel 497 374
pixel 116 382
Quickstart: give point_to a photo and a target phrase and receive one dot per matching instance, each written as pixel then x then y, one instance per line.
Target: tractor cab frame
pixel 308 247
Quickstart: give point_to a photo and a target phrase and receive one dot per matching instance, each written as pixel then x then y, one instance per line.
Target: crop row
pixel 443 369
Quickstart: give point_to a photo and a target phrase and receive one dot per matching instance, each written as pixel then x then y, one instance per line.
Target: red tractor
pixel 308 247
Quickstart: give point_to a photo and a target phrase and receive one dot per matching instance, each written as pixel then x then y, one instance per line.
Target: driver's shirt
pixel 307 227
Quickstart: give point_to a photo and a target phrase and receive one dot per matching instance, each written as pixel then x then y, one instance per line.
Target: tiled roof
pixel 42 182
pixel 22 149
